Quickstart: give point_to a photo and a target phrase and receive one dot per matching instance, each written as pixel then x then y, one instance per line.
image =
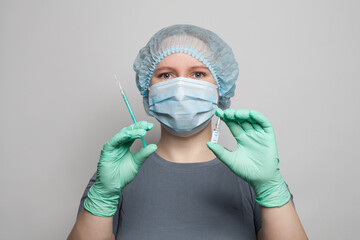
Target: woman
pixel 186 187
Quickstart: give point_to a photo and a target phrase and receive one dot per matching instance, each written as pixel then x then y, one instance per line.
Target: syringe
pixel 216 132
pixel 128 105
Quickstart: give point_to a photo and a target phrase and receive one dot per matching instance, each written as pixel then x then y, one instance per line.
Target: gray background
pixel 299 65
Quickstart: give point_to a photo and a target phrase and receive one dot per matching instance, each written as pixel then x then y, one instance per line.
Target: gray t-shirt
pixel 168 200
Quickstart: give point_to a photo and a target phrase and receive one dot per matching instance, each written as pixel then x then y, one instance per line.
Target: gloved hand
pixel 117 167
pixel 255 159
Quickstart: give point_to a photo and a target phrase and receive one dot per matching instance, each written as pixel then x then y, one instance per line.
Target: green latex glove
pixel 255 159
pixel 117 167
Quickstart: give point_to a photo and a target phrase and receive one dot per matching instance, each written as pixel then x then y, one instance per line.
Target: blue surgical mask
pixel 183 105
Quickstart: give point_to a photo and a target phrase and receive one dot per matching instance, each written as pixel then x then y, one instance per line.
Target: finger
pixel 229 114
pixel 261 120
pixel 141 155
pixel 242 115
pixel 219 112
pixel 130 133
pixel 237 115
pixel 124 136
pixel 246 126
pixel 257 127
pixel 220 152
pixel 141 125
pixel 235 128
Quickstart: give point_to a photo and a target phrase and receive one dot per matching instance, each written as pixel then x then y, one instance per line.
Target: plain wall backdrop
pixel 299 65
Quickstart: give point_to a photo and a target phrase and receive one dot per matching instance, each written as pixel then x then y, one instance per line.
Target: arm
pixel 281 223
pixel 116 168
pixel 89 226
pixel 256 161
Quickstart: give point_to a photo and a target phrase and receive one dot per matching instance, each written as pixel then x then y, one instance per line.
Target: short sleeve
pixel 117 214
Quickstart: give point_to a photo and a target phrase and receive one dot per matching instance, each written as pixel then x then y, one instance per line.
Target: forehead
pixel 179 60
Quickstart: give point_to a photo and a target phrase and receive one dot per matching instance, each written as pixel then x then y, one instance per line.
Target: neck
pixel 185 149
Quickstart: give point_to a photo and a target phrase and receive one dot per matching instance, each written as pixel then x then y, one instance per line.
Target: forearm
pixel 89 226
pixel 281 223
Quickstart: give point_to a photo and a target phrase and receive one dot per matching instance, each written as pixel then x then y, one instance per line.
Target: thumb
pixel 141 155
pixel 220 152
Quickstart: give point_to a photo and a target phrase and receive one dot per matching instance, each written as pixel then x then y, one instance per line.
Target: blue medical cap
pixel 200 43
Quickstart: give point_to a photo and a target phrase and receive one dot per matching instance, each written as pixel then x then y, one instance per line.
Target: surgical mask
pixel 183 105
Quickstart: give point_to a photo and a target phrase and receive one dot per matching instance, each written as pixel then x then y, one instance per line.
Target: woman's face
pixel 181 65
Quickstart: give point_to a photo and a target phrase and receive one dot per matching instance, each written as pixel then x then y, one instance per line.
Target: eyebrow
pixel 170 68
pixel 203 67
pixel 163 68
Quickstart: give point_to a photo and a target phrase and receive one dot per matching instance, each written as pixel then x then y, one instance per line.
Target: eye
pixel 165 75
pixel 198 75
